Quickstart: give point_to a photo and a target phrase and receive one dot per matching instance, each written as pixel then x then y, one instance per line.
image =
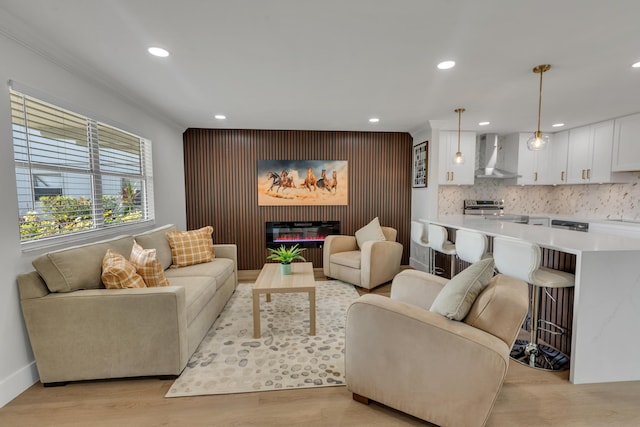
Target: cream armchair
pixel 447 372
pixel 368 266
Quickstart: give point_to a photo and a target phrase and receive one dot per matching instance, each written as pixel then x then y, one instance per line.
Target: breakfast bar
pixel 606 298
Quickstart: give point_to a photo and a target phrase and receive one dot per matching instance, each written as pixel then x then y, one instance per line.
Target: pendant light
pixel 458 159
pixel 538 141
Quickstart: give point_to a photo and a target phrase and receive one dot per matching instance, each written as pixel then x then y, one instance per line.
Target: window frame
pixel 93 173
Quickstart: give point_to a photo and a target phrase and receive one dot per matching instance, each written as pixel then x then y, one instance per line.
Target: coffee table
pixel 271 281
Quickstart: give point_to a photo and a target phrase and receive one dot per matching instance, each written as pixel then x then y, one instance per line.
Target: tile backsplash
pixel 596 201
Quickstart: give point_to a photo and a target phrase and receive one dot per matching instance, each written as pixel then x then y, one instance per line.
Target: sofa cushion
pixel 371 231
pixel 198 292
pixel 119 273
pixel 78 267
pixel 220 269
pixel 348 259
pixel 191 247
pixel 148 266
pixel 458 295
pixel 157 239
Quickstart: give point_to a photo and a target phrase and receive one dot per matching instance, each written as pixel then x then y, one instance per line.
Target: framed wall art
pixel 302 182
pixel 420 164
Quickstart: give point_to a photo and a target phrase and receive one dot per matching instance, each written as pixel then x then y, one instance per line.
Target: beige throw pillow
pixel 191 247
pixel 119 273
pixel 148 266
pixel 456 297
pixel 371 231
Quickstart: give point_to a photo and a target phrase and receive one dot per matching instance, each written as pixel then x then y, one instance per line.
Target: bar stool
pixel 438 240
pixel 471 246
pixel 419 237
pixel 521 259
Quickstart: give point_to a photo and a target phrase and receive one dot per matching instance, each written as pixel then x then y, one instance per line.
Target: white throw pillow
pixel 456 297
pixel 371 231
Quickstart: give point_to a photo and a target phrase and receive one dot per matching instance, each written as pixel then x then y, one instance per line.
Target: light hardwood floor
pixel 528 398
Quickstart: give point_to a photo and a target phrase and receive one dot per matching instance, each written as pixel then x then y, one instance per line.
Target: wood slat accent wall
pixel 221 174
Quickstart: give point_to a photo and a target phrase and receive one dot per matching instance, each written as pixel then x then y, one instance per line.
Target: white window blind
pixel 75 174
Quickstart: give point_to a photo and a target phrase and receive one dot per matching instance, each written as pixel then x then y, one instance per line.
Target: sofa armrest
pixel 417 287
pixel 230 251
pixel 422 363
pixel 334 244
pixel 107 333
pixel 226 250
pixel 379 262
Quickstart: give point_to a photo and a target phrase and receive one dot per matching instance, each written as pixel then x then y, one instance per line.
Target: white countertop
pixel 553 238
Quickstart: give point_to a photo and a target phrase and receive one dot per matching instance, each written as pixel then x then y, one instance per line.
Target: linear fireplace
pixel 309 234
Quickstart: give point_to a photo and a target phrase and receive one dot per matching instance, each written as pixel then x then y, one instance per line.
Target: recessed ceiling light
pixel 557 125
pixel 374 120
pixel 158 51
pixel 636 65
pixel 446 65
pixel 484 123
pixel 220 116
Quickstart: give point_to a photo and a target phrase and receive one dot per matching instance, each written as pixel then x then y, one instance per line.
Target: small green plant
pixel 286 255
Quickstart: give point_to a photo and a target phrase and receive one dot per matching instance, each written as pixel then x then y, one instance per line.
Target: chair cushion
pixel 148 266
pixel 371 231
pixel 348 259
pixel 458 295
pixel 119 273
pixel 191 247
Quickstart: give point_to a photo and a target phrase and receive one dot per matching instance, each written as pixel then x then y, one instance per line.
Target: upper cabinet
pixel 544 167
pixel 451 173
pixel 590 149
pixel 529 162
pixel 626 144
pixel 557 158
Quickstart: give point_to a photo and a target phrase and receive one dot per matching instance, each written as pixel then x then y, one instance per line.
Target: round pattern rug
pixel 230 360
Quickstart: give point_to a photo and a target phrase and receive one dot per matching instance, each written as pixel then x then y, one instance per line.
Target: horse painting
pixel 332 184
pixel 302 183
pixel 310 180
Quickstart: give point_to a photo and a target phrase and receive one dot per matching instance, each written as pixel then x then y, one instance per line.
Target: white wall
pixel 17 367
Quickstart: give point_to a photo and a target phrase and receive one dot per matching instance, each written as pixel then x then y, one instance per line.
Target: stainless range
pixel 492 209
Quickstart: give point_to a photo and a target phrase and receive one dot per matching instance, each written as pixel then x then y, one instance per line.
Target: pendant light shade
pixel 538 141
pixel 458 159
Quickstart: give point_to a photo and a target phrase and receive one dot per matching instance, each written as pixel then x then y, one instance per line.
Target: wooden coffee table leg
pixel 256 315
pixel 312 312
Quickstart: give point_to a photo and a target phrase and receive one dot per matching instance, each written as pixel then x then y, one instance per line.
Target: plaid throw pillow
pixel 148 266
pixel 119 273
pixel 191 247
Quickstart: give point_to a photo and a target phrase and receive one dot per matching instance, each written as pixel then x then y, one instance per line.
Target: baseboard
pixel 18 382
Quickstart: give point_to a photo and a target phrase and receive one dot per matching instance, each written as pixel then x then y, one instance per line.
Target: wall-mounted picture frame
pixel 303 182
pixel 420 164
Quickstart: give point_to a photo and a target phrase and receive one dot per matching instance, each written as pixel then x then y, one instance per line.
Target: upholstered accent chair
pixel 403 354
pixel 370 258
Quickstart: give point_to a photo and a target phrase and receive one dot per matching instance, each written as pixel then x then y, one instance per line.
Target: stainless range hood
pixel 491 158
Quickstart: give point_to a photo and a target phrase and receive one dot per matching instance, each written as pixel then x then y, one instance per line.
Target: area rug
pixel 230 360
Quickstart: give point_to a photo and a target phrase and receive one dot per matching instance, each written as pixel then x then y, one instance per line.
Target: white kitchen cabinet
pixel 589 153
pixel 626 144
pixel 532 165
pixel 451 173
pixel 556 159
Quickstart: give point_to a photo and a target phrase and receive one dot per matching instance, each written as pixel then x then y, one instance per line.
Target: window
pixel 75 174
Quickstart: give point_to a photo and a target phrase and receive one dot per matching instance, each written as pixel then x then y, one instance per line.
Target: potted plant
pixel 286 256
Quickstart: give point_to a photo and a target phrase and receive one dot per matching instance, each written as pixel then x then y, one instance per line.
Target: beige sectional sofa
pixel 80 331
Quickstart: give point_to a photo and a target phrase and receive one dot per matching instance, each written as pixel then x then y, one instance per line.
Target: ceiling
pixel 333 64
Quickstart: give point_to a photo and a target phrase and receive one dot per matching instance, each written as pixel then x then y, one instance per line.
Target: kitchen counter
pixel 606 298
pixel 568 241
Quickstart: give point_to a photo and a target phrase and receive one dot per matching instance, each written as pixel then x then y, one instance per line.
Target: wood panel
pixel 221 176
